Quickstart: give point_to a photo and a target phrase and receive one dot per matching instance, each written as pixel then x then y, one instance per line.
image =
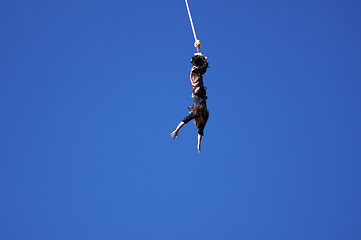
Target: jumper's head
pixel 199 60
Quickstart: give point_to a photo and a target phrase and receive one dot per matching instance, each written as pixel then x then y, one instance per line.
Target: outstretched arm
pixel 174 134
pixel 199 143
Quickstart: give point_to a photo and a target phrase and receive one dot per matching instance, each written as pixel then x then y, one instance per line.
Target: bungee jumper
pixel 198 111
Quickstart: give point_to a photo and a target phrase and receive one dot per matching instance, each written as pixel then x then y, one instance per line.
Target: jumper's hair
pixel 201 115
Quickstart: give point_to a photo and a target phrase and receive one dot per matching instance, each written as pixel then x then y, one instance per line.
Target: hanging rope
pixel 197 43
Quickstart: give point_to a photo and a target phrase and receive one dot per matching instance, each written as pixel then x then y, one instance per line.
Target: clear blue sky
pixel 90 91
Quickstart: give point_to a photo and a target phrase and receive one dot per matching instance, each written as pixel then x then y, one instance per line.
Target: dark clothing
pixel 200 101
pixel 190 117
pixel 197 101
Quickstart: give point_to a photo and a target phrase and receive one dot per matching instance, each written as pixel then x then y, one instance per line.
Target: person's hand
pixel 199 148
pixel 174 134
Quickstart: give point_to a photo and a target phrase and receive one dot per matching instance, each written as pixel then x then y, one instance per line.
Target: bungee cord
pixel 197 43
pixel 190 19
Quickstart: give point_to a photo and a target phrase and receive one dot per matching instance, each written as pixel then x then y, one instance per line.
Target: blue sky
pixel 90 91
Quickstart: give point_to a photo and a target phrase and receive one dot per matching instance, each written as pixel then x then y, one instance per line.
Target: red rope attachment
pixel 198 49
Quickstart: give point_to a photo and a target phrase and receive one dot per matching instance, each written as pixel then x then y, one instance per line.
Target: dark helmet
pixel 199 61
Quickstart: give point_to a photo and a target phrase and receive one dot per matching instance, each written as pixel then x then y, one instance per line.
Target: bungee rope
pixel 197 43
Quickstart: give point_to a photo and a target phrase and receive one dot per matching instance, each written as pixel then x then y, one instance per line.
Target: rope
pixel 190 19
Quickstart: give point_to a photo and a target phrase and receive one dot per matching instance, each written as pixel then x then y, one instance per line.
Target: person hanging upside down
pixel 198 111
